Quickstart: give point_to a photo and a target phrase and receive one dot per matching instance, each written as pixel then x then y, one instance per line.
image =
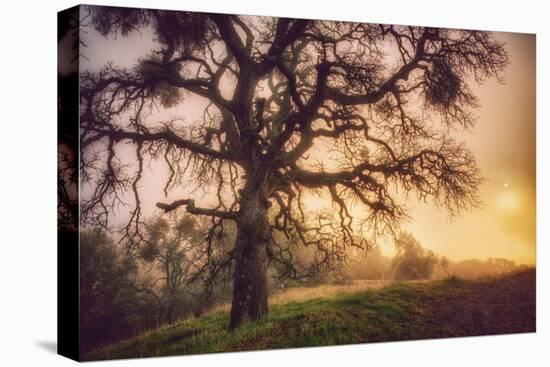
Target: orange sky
pixel 503 143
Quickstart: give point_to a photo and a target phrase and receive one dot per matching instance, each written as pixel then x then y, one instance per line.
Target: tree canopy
pixel 381 98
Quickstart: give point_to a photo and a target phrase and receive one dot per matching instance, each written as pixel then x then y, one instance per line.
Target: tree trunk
pixel 250 276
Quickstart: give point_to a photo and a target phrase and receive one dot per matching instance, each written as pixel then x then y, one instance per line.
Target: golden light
pixel 508 201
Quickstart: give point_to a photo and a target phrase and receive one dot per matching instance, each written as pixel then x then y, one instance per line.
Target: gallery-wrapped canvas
pixel 237 182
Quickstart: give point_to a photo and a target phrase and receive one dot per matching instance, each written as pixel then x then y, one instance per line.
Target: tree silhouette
pixel 171 246
pixel 412 261
pixel 382 97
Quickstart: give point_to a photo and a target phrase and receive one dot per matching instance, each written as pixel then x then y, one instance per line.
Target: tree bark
pixel 250 275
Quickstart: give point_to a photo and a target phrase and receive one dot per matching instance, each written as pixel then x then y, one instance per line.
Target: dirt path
pixel 497 306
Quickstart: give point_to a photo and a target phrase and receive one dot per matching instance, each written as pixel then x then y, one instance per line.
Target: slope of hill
pixel 401 311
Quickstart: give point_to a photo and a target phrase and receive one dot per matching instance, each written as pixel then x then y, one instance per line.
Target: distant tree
pixel 476 268
pixel 412 261
pixel 444 264
pixel 369 263
pixel 382 97
pixel 106 296
pixel 173 251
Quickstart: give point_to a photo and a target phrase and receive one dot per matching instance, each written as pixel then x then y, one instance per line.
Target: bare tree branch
pixel 192 209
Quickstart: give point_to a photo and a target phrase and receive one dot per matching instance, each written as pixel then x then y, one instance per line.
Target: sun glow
pixel 508 201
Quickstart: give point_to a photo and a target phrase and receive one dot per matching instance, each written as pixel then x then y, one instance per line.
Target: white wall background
pixel 28 183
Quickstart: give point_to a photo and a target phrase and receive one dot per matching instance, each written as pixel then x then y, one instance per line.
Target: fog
pixel 503 143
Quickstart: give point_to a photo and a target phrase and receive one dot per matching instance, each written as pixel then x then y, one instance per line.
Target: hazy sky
pixel 503 143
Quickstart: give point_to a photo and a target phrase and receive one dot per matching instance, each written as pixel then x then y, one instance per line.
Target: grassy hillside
pixel 400 311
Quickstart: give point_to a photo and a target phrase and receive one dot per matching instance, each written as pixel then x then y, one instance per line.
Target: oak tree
pixel 381 98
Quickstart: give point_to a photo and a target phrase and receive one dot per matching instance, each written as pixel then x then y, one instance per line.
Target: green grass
pixel 397 312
